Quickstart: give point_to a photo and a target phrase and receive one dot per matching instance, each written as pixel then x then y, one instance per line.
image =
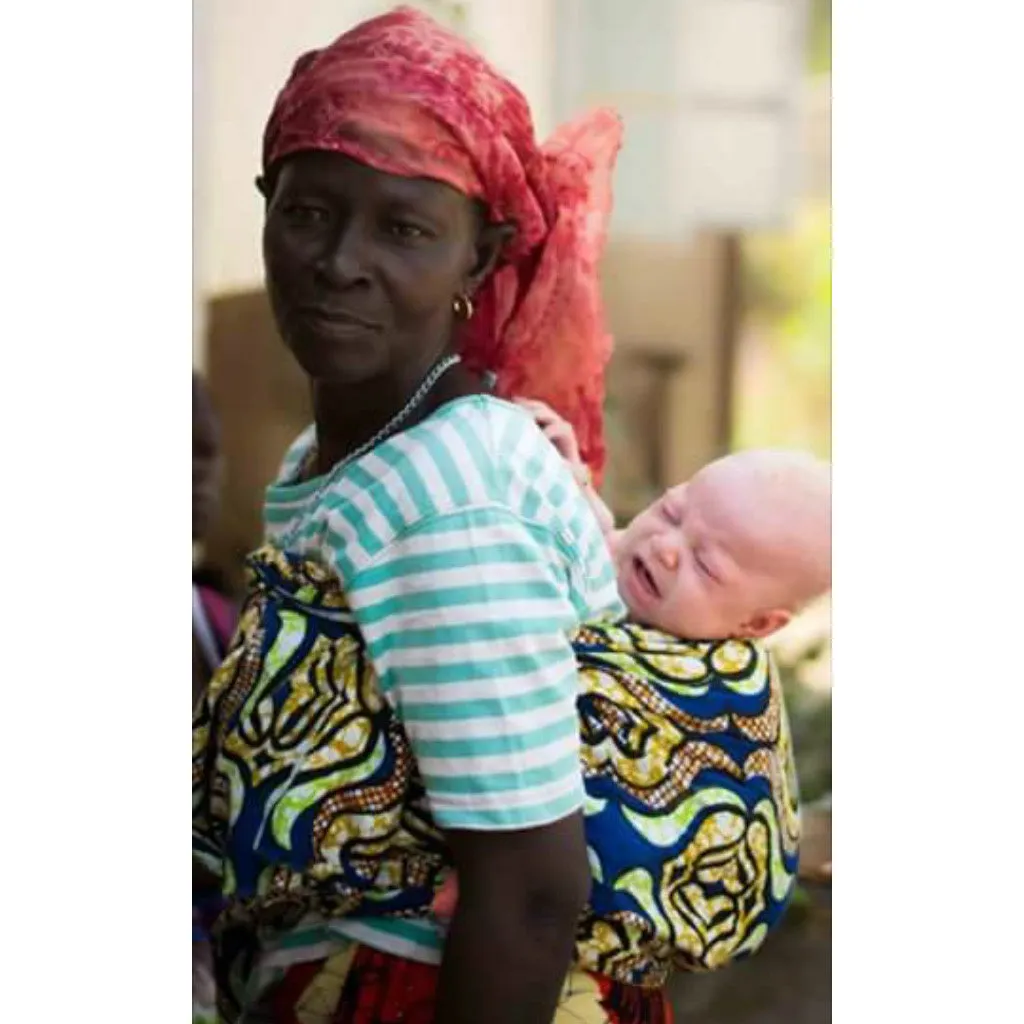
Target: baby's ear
pixel 765 623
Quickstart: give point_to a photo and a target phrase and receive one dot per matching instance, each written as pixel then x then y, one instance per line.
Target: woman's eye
pixel 306 213
pixel 405 230
pixel 669 514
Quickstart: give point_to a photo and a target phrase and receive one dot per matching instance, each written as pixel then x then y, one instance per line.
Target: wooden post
pixel 731 322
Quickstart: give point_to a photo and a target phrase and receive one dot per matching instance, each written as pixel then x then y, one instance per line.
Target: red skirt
pixel 368 987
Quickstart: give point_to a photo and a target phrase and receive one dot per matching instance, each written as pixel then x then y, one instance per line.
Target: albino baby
pixel 735 551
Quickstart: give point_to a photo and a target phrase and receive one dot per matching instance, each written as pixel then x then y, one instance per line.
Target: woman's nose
pixel 343 262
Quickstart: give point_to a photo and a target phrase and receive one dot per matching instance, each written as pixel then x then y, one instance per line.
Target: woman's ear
pixel 490 242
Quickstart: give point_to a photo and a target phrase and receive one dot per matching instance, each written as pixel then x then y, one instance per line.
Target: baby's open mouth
pixel 643 574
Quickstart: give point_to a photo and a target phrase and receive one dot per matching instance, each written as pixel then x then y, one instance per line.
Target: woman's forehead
pixel 344 176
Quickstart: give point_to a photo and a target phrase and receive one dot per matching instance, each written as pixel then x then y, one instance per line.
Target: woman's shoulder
pixel 470 452
pixel 478 468
pixel 477 439
pixel 476 457
pixel 531 482
pixel 498 447
pixel 500 424
pixel 296 454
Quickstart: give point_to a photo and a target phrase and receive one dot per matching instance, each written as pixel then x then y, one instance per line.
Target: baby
pixel 733 552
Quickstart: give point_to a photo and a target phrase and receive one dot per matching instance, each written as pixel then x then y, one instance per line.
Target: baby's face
pixel 698 563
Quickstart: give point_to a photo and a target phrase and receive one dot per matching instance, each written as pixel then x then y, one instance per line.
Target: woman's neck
pixel 348 415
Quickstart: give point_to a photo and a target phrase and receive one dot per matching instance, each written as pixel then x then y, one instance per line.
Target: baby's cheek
pixel 688 614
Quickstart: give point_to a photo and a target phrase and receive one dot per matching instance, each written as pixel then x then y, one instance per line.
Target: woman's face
pixel 362 267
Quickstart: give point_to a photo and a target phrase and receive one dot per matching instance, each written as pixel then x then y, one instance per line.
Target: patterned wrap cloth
pixel 307 804
pixel 407 97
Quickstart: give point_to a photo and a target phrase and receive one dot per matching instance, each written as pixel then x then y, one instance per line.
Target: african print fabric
pixel 309 808
pixel 691 814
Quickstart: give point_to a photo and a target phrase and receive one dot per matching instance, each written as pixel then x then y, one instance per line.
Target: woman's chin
pixel 338 362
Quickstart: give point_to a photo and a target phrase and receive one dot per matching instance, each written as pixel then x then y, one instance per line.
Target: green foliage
pixel 810 718
pixel 452 15
pixel 819 37
pixel 784 391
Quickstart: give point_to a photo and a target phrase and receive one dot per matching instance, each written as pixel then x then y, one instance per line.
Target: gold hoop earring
pixel 463 306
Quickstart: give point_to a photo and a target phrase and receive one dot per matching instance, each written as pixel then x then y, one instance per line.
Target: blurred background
pixel 717 281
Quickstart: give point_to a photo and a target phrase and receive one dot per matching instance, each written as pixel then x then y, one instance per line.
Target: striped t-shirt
pixel 469 557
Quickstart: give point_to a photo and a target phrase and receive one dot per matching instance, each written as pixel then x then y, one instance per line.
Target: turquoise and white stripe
pixel 469 557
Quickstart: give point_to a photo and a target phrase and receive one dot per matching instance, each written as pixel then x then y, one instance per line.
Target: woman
pixel 213 621
pixel 401 696
pixel 402 684
pixel 213 617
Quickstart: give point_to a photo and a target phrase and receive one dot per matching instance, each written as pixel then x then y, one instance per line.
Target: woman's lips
pixel 336 321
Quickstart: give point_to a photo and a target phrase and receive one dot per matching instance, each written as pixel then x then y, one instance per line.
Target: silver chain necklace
pixel 440 368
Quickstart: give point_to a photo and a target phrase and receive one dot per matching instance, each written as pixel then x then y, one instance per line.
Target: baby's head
pixel 735 551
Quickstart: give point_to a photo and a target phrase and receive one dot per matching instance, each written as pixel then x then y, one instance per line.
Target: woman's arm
pixel 467 618
pixel 511 939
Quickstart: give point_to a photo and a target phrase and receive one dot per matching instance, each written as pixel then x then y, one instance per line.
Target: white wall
pixel 709 91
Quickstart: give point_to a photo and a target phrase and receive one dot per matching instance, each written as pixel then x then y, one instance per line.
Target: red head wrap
pixel 407 97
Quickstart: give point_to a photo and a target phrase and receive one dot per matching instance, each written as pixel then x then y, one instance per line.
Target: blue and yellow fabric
pixel 307 804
